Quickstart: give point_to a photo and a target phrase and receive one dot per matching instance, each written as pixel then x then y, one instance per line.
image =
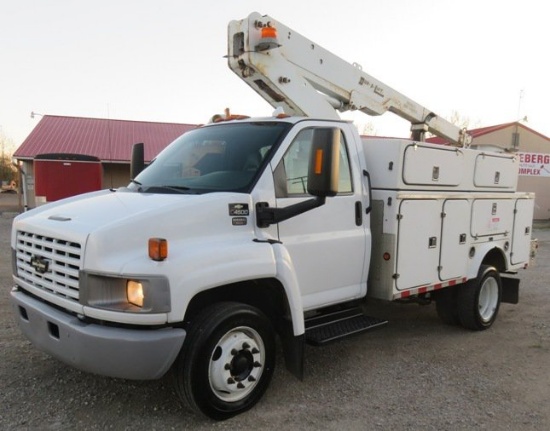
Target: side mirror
pixel 137 163
pixel 324 162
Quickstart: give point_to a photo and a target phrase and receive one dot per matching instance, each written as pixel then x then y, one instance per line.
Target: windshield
pixel 225 157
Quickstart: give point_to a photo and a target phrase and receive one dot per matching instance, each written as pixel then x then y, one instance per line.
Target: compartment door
pixel 454 239
pixel 496 171
pixel 492 217
pixel 521 239
pixel 433 166
pixel 418 242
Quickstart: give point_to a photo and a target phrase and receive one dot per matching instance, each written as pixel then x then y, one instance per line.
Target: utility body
pixel 247 229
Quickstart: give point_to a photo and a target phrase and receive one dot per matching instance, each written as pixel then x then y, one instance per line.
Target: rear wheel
pixel 479 299
pixel 227 360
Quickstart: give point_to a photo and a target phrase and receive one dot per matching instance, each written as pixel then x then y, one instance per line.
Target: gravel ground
pixel 414 374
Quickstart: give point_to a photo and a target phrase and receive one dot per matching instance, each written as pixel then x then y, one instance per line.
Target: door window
pixel 291 173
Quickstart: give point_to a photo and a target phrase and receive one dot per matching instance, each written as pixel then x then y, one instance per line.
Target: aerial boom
pixel 292 72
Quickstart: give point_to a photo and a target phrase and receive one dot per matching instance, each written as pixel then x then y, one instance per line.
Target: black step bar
pixel 335 325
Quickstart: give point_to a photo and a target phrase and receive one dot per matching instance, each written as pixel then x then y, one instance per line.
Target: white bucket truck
pixel 249 229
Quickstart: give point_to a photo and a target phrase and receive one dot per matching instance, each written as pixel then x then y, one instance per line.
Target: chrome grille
pixel 49 264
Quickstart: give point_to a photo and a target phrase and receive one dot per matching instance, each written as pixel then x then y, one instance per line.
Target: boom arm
pixel 292 72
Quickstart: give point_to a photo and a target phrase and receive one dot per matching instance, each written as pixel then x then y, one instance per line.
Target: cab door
pixel 327 245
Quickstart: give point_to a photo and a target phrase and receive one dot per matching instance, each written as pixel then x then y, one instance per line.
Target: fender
pixel 287 276
pixel 481 252
pixel 210 267
pixel 207 266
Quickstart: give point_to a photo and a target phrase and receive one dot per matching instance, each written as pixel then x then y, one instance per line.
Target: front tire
pixel 227 360
pixel 479 300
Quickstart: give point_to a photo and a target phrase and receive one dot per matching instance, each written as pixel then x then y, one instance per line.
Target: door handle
pixel 358 213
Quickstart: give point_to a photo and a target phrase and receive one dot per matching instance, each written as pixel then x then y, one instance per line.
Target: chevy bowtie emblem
pixel 40 264
pixel 238 210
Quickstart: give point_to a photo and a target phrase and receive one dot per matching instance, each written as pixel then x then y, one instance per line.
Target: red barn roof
pixel 108 140
pixel 485 130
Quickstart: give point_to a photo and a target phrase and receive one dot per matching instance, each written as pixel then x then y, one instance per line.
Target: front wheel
pixel 227 360
pixel 479 299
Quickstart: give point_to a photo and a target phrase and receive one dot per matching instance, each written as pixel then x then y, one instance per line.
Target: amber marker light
pixel 158 249
pixel 319 162
pixel 269 32
pixel 268 38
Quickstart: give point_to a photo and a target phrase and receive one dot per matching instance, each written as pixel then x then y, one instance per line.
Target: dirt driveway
pixel 415 374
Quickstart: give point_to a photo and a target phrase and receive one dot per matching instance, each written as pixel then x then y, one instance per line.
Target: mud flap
pixel 293 348
pixel 510 290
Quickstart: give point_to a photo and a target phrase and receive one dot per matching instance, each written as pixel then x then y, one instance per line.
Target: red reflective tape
pixel 429 288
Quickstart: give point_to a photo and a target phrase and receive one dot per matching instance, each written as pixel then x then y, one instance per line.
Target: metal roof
pixel 108 140
pixel 486 130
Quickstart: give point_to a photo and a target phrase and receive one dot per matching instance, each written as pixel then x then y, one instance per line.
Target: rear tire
pixel 227 360
pixel 479 299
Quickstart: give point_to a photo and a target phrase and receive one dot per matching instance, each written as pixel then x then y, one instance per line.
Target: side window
pixel 291 173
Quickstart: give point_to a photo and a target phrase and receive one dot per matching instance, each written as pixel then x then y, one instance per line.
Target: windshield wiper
pixel 177 189
pixel 137 183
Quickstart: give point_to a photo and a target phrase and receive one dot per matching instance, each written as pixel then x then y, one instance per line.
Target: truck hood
pixel 110 223
pixel 86 213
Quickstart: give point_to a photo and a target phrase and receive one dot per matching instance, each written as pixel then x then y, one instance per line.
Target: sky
pixel 163 60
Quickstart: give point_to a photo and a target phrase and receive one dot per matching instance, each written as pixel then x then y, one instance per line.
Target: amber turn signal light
pixel 158 249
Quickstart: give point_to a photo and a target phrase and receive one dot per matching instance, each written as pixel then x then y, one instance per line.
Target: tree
pixel 459 121
pixel 8 172
pixel 462 122
pixel 366 129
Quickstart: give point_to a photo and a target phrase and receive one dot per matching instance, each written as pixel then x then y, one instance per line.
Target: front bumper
pixel 139 354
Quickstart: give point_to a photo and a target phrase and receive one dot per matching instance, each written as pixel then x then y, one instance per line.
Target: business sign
pixel 534 164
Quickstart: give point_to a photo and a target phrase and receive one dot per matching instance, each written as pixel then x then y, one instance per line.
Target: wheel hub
pixel 488 299
pixel 242 365
pixel 236 364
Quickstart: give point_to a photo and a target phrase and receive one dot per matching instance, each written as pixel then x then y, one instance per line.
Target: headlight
pixel 134 292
